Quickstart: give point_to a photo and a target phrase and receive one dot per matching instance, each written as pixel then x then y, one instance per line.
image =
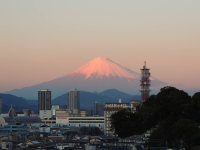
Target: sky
pixel 44 40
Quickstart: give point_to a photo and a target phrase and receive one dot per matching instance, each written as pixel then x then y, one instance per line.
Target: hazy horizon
pixel 44 40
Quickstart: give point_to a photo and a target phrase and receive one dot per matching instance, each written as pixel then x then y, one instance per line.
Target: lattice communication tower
pixel 145 82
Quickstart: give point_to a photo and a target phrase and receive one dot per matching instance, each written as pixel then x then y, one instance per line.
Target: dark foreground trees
pixel 94 131
pixel 172 115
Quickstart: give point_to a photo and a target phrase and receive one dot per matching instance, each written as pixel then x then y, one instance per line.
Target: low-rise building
pixel 62 115
pixel 54 108
pixel 85 113
pixel 45 114
pixel 82 121
pixel 86 121
pixel 14 132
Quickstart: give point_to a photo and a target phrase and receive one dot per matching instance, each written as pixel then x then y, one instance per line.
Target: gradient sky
pixel 43 40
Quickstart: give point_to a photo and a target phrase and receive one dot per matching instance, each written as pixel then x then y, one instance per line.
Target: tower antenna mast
pixel 145 82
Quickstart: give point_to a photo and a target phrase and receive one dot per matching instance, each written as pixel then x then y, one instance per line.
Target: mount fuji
pixel 97 75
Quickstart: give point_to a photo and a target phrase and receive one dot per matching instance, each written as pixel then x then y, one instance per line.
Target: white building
pixel 81 121
pixel 54 108
pixel 45 114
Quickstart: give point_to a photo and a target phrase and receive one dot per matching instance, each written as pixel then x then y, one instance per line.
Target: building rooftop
pixel 23 119
pixel 42 90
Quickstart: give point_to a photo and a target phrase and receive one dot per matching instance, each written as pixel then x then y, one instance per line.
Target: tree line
pixel 172 115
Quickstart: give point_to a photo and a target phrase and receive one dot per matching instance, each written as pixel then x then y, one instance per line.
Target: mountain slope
pixel 116 94
pixel 97 75
pixel 18 103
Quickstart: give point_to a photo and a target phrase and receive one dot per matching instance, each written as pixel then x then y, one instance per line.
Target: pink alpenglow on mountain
pixel 104 67
pixel 97 75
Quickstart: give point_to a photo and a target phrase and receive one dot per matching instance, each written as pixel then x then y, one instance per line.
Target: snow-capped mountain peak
pixel 104 67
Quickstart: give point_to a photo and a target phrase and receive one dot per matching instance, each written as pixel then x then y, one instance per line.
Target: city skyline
pixel 42 41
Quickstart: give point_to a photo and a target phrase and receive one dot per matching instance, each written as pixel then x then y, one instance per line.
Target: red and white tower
pixel 145 82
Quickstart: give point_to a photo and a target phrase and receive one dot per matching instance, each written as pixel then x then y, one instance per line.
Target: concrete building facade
pixel 111 108
pixel 98 109
pixel 73 103
pixel 81 121
pixel 62 115
pixel 45 114
pixel 44 104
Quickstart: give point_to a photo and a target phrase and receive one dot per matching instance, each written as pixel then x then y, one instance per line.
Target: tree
pixel 184 131
pixel 172 115
pixel 121 122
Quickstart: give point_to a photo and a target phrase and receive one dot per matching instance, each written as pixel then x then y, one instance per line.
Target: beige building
pixel 62 115
pixel 83 113
pixel 73 103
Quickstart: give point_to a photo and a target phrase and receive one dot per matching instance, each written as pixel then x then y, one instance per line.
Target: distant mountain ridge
pixel 18 103
pixel 87 100
pixel 97 75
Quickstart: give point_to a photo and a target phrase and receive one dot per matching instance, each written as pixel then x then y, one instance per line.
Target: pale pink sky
pixel 43 40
